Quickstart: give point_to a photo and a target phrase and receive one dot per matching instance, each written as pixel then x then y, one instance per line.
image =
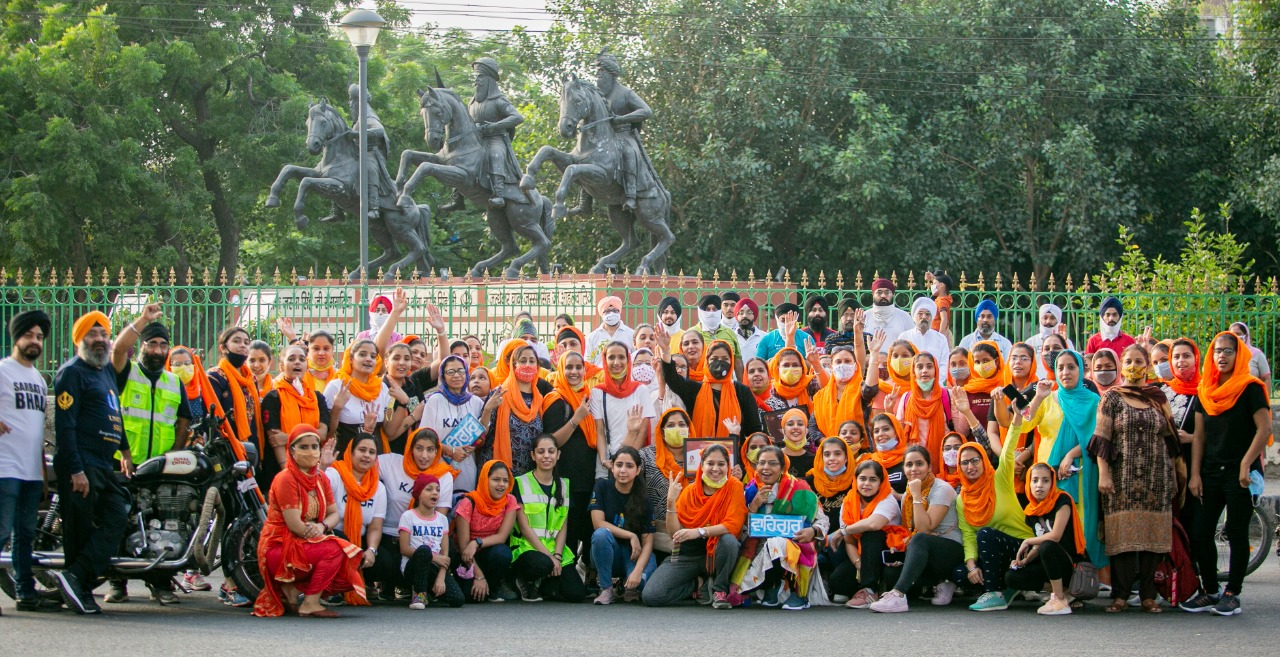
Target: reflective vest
pixel 544 515
pixel 150 412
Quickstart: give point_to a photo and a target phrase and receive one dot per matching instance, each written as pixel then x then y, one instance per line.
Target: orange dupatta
pixel 931 411
pixel 238 381
pixel 896 381
pixel 1216 396
pixel 367 390
pixel 726 506
pixel 590 368
pixel 706 424
pixel 908 501
pixel 573 398
pixel 979 385
pixel 1191 386
pixel 502 367
pixel 199 388
pixel 438 467
pixel 979 495
pixel 484 503
pixel 1045 507
pixel 891 457
pixel 830 409
pixel 513 406
pixel 854 510
pixel 358 491
pixel 296 409
pixel 828 486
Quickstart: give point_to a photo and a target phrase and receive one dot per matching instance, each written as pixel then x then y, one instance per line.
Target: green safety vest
pixel 150 413
pixel 545 517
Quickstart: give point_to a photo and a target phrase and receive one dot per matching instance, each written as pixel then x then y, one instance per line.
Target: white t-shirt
pixel 616 424
pixel 400 488
pixel 422 531
pixel 442 416
pixel 23 394
pixel 369 509
pixel 353 412
pixel 888 508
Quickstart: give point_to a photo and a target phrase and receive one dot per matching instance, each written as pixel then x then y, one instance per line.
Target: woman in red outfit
pixel 297 551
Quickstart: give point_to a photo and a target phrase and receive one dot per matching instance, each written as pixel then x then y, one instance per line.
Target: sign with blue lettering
pixel 768 525
pixel 468 431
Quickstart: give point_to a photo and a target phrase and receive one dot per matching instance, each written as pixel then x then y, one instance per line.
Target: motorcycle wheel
pixel 240 555
pixel 44 542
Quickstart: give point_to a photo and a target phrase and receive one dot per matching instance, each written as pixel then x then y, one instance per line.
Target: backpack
pixel 1175 577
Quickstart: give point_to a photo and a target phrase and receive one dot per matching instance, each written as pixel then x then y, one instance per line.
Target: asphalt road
pixel 201 626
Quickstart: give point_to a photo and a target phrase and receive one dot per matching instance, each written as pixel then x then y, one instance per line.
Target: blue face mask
pixel 837 473
pixel 926 386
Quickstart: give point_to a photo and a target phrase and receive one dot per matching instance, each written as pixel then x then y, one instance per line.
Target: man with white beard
pixel 884 316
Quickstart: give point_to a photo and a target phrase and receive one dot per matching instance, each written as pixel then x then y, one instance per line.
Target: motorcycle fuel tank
pixel 180 465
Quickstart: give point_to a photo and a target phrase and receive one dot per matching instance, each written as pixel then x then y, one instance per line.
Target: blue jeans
pixel 19 504
pixel 608 554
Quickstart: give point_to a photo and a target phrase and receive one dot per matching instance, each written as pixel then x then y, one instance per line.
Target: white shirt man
pixel 884 316
pixel 611 329
pixel 923 336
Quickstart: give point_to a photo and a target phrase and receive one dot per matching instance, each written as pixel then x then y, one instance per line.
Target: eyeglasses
pixel 968 462
pixel 1224 352
pixel 457 371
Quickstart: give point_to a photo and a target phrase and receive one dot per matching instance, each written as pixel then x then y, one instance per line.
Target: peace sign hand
pixel 675 486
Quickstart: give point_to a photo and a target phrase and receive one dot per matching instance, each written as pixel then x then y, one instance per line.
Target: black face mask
pixel 718 369
pixel 237 360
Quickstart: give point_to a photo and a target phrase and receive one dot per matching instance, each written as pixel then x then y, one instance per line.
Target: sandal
pixel 1116 606
pixel 1150 607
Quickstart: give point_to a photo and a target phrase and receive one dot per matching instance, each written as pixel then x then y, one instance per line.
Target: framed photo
pixel 693 451
pixel 773 424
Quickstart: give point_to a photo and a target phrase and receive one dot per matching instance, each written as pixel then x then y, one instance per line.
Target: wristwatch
pixel 702 531
pixel 479 542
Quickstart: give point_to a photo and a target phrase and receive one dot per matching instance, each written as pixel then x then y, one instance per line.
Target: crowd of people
pixel 653 464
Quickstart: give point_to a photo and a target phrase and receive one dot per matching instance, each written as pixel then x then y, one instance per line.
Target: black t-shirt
pixel 87 422
pixel 1227 437
pixel 688 391
pixel 1041 525
pixel 800 465
pixel 606 498
pixel 577 458
pixel 222 390
pixel 896 480
pixel 268 467
pixel 830 505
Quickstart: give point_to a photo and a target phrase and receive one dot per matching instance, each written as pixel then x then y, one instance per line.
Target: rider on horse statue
pixel 629 113
pixel 497 119
pixel 382 188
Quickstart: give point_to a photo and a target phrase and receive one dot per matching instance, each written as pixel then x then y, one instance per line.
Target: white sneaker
pixel 891 602
pixel 942 593
pixel 839 599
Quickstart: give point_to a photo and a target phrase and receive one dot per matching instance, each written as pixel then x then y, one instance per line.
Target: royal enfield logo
pixel 181 460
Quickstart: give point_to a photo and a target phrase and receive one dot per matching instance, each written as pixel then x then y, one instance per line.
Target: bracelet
pixel 480 579
pixel 973 569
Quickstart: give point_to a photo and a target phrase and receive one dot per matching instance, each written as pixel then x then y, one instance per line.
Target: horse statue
pixel 337 178
pixel 458 163
pixel 595 164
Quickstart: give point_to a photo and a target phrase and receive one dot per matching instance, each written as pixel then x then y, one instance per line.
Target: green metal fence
pixel 196 312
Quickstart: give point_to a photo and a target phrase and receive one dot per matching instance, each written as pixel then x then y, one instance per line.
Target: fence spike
pixel 399 277
pixel 893 278
pixel 1031 283
pixel 204 276
pixel 1053 285
pixel 155 276
pixel 786 276
pixel 768 276
pixel 733 277
pixel 911 279
pixel 416 275
pixel 822 279
pixel 1271 283
pixel 53 276
pixel 715 277
pixel 4 276
pixel 804 278
pixel 18 279
pixel 222 276
pixel 35 276
pixel 662 278
pixel 999 281
pixel 293 275
pixel 173 277
pixel 71 278
pixel 875 274
pixel 379 273
pixel 328 274
pixel 839 279
pixel 964 281
pixel 311 273
pixel 699 274
pixel 982 283
pixel 345 273
pixel 751 275
pixel 1240 280
pixel 106 278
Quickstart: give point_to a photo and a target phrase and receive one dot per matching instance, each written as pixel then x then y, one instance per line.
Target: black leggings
pixel 386 565
pixel 846 580
pixel 579 526
pixel 421 572
pixel 1222 490
pixel 534 566
pixel 930 559
pixel 1052 562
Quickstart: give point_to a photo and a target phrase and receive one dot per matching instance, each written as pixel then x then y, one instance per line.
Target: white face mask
pixel 1046 331
pixel 643 373
pixel 612 317
pixel 710 319
pixel 843 371
pixel 1109 332
pixel 887 445
pixel 376 321
pixel 951 458
pixel 882 313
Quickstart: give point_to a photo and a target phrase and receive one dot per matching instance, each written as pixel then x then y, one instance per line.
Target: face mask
pixel 1185 375
pixel 710 319
pixel 902 366
pixel 643 373
pixel 526 373
pixel 960 373
pixel 985 370
pixel 844 371
pixel 885 304
pixel 926 385
pixel 1135 373
pixel 1109 332
pixel 951 458
pixel 612 318
pixel 718 369
pixel 1105 377
pixel 673 326
pixel 887 445
pixel 835 473
pixel 753 453
pixel 675 436
pixel 237 360
pixel 1046 331
pixel 712 484
pixel 376 321
pixel 797 445
pixel 184 372
pixel 789 375
pixel 1164 371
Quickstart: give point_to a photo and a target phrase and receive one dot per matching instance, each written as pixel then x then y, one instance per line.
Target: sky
pixel 480 15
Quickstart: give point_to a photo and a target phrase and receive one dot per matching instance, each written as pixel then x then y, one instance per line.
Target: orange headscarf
pixel 438 468
pixel 1217 396
pixel 979 385
pixel 662 456
pixel 705 422
pixel 240 381
pixel 574 398
pixel 1191 386
pixel 979 495
pixel 909 500
pixel 502 367
pixel 513 405
pixel 799 391
pixel 618 389
pixel 952 477
pixel 855 509
pixel 896 381
pixel 830 409
pixel 485 504
pixel 358 491
pixel 1045 507
pixel 749 470
pixel 891 457
pixel 826 485
pixel 367 390
pixel 726 506
pixel 918 408
pixel 590 368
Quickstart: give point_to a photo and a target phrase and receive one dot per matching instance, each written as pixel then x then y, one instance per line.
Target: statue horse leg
pixel 412 159
pixel 652 215
pixel 591 175
pixel 330 188
pixel 623 222
pixel 500 228
pixel 526 219
pixel 287 173
pixel 378 231
pixel 404 225
pixel 447 175
pixel 561 159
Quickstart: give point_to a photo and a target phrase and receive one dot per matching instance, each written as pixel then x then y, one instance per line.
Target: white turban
pixel 925 303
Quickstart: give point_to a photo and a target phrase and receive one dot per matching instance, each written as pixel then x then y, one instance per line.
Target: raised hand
pixel 733 426
pixel 435 318
pixel 151 312
pixel 635 418
pixel 959 399
pixel 399 301
pixel 878 340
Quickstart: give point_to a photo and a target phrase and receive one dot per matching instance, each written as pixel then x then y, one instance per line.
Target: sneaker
pixel 117 592
pixel 605 597
pixel 1201 603
pixel 334 601
pixel 163 596
pixel 39 604
pixel 862 599
pixel 1228 605
pixel 507 594
pixel 990 601
pixel 720 600
pixel 839 599
pixel 1054 607
pixel 631 595
pixel 528 591
pixel 1033 596
pixel 771 597
pixel 943 593
pixel 419 601
pixel 795 603
pixel 892 602
pixel 234 598
pixel 74 595
pixel 196 582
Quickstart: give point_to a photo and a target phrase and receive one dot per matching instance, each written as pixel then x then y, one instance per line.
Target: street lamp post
pixel 362 27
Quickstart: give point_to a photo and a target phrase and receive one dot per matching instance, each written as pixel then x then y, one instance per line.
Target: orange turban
pixel 86 322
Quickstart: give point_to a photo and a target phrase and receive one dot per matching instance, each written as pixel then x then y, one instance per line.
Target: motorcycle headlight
pixel 240 467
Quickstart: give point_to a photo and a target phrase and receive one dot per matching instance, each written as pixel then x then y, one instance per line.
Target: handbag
pixel 1084 581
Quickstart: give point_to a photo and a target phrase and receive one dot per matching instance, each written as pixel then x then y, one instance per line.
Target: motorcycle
pixel 198 508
